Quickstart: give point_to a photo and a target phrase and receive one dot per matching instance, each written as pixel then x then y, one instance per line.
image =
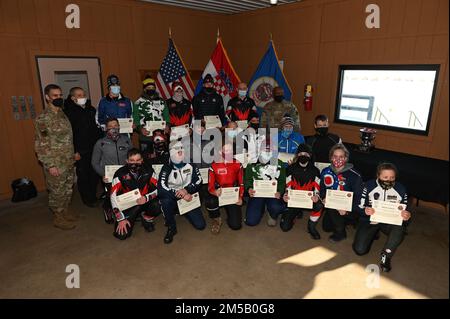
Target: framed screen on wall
pixel 391 97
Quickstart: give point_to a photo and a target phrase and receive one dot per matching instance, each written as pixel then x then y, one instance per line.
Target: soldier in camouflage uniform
pixel 149 107
pixel 274 111
pixel 54 149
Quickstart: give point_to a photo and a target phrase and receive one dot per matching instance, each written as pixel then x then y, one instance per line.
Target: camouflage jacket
pixel 273 112
pixel 53 140
pixel 149 110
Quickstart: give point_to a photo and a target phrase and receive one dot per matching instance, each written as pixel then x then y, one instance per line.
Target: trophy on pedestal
pixel 367 136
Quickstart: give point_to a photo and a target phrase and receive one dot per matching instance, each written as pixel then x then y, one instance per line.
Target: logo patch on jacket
pixel 222 171
pixel 121 104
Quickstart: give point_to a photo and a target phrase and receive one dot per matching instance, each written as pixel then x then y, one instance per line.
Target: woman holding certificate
pixel 178 187
pixel 265 181
pixel 226 188
pixel 384 203
pixel 340 190
pixel 302 188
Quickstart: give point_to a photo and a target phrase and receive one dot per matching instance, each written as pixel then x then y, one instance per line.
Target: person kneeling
pixel 179 180
pixel 132 177
pixel 224 173
pixel 302 175
pixel 384 188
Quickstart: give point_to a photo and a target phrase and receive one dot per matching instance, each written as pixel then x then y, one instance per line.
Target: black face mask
pixel 254 126
pixel 134 168
pixel 322 131
pixel 160 147
pixel 58 102
pixel 278 98
pixel 303 159
pixel 150 92
pixel 209 90
pixel 386 184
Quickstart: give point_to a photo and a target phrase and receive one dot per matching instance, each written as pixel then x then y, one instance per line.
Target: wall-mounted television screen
pixel 392 97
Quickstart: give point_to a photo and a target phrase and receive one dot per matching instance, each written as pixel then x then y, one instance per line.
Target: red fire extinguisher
pixel 308 99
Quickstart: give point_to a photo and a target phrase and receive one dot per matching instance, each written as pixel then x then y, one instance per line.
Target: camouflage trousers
pixel 60 188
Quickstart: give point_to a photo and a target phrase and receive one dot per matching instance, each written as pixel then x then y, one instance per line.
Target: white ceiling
pixel 221 6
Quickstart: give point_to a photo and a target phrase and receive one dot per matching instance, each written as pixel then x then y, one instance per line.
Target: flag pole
pixel 218 34
pixel 170 33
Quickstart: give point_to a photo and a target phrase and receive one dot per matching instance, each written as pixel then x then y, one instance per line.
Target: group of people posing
pixel 71 132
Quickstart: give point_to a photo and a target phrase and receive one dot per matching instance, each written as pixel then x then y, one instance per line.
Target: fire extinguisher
pixel 308 99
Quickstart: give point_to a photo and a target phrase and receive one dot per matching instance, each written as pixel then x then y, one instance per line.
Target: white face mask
pixel 242 93
pixel 265 157
pixel 82 101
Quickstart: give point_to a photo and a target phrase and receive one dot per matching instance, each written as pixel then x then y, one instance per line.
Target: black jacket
pixel 321 146
pixel 304 178
pixel 84 127
pixel 205 104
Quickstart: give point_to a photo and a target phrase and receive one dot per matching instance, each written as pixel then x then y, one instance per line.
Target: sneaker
pixel 108 215
pixel 385 261
pixel 335 238
pixel 216 224
pixel 271 222
pixel 312 230
pixel 149 226
pixel 169 235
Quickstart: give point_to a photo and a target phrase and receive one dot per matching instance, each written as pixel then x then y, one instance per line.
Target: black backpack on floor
pixel 23 189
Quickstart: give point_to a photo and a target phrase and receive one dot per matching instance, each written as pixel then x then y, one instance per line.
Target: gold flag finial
pixel 270 36
pixel 170 32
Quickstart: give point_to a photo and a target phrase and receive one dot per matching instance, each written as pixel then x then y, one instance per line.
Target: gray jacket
pixel 108 152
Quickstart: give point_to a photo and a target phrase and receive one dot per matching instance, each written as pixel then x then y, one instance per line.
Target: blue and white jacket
pixel 172 179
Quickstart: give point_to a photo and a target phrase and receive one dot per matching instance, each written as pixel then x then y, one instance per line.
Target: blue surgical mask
pixel 286 133
pixel 115 90
pixel 242 93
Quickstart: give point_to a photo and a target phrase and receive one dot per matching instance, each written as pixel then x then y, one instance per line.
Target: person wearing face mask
pixel 323 140
pixel 225 172
pixel 149 107
pixel 301 174
pixel 160 154
pixel 253 140
pixel 81 115
pixel 208 102
pixel 241 107
pixel 54 149
pixel 384 188
pixel 135 176
pixel 180 108
pixel 179 180
pixel 340 175
pixel 114 104
pixel 288 139
pixel 110 150
pixel 277 109
pixel 264 169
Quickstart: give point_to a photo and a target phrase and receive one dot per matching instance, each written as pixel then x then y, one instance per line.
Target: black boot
pixel 385 261
pixel 171 231
pixel 312 230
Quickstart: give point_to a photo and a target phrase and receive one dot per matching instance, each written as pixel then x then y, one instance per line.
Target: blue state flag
pixel 267 76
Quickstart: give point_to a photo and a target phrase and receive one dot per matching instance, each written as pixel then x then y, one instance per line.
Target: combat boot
pixel 71 215
pixel 60 222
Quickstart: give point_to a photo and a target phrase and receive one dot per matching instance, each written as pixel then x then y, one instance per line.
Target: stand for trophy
pixel 367 136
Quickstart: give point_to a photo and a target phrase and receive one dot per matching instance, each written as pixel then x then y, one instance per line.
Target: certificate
pixel 128 200
pixel 265 189
pixel 300 199
pixel 321 165
pixel 242 124
pixel 157 168
pixel 185 206
pixel 339 200
pixel 285 157
pixel 212 121
pixel 110 170
pixel 243 159
pixel 179 131
pixel 151 126
pixel 387 212
pixel 205 174
pixel 229 196
pixel 126 125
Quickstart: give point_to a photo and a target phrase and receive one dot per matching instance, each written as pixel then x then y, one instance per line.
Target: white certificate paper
pixel 300 199
pixel 157 168
pixel 128 200
pixel 126 125
pixel 212 121
pixel 179 131
pixel 321 165
pixel 110 170
pixel 204 172
pixel 265 189
pixel 154 125
pixel 242 124
pixel 339 200
pixel 185 206
pixel 387 212
pixel 285 157
pixel 229 196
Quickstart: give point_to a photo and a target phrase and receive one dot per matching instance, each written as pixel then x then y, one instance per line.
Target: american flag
pixel 172 69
